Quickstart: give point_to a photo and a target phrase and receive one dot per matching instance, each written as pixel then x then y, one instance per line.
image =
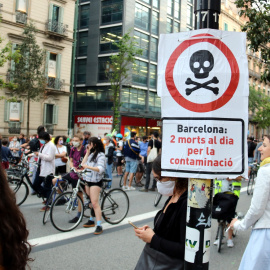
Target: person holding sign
pixel 165 244
pixel 257 252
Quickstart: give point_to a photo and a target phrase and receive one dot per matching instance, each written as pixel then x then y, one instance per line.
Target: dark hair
pixel 156 134
pixel 13 233
pixel 132 134
pixel 40 129
pixel 98 147
pixel 22 135
pixel 144 138
pixel 5 142
pixel 57 139
pixel 44 135
pixel 180 183
pixel 86 133
pixel 105 134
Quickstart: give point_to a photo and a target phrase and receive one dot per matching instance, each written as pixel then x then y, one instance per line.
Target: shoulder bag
pixel 64 159
pixel 152 154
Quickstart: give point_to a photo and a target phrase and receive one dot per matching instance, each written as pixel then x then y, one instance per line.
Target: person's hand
pixel 36 153
pixel 88 148
pixel 144 227
pixel 145 235
pixel 233 222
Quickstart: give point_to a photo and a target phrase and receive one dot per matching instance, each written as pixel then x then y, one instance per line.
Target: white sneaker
pixel 125 187
pixel 216 242
pixel 230 243
pixel 131 188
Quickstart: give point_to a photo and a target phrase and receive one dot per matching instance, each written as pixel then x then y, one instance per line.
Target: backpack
pixel 81 152
pixel 34 145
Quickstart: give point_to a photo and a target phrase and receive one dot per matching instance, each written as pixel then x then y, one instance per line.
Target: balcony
pixel 57 29
pixel 55 84
pixel 14 127
pixel 21 17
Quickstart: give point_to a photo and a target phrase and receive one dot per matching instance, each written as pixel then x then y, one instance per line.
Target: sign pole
pixel 198 229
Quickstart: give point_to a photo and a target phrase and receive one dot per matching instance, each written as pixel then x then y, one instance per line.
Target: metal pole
pixel 198 230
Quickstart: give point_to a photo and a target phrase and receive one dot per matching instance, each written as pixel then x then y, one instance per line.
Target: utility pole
pixel 198 230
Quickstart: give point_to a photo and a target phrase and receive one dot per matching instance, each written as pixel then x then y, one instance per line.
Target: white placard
pixel 52 69
pixel 203 85
pixel 14 111
pixel 22 6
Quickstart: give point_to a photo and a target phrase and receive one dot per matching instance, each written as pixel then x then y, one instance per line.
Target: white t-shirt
pixel 58 161
pixel 118 152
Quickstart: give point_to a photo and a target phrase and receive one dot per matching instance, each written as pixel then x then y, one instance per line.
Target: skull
pixel 201 63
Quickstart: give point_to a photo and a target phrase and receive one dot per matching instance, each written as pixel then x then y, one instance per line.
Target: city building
pixel 54 21
pixel 231 21
pixel 100 24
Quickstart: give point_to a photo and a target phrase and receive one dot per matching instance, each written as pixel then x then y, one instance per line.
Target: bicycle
pixel 251 180
pixel 114 205
pixel 157 199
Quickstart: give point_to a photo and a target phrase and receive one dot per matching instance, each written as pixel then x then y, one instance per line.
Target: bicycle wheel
pixel 115 206
pixel 157 199
pixel 121 180
pixel 250 186
pixel 48 206
pixel 220 236
pixel 61 215
pixel 20 189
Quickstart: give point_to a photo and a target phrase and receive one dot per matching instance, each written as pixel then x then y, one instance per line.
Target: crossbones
pixel 215 90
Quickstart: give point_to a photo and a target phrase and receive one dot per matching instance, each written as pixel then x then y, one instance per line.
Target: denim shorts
pixel 131 166
pixel 250 161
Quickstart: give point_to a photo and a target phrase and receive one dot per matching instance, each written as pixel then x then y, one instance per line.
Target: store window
pixel 112 11
pixel 140 73
pixel 169 25
pixel 84 19
pixel 155 22
pixel 153 49
pixel 81 71
pixel 108 36
pixel 142 17
pixel 82 43
pixel 142 43
pixel 153 76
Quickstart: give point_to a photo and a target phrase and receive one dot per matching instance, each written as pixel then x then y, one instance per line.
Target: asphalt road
pixel 117 247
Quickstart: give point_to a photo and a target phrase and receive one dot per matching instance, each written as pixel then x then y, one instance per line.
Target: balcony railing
pixel 14 127
pixel 21 17
pixel 55 83
pixel 56 27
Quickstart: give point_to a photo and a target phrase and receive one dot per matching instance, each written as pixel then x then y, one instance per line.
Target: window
pixel 170 7
pixel 153 49
pixel 225 27
pixel 177 9
pixel 139 73
pixel 155 22
pixel 142 17
pixel 50 114
pixel 84 20
pixel 82 43
pixel 53 70
pixel 112 11
pixel 133 99
pixel 21 11
pixel 143 43
pixel 154 102
pixel 13 111
pixel 156 4
pixel 176 27
pixel 81 71
pixel 153 76
pixel 56 19
pixel 190 15
pixel 103 66
pixel 108 36
pixel 147 1
pixel 169 25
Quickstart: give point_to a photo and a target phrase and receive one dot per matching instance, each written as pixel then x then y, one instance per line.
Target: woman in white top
pixel 257 253
pixel 95 161
pixel 14 147
pixel 61 151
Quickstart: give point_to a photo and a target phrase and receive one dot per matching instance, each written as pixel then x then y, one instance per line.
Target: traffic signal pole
pixel 198 229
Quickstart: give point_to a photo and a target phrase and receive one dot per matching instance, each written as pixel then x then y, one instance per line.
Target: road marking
pixel 79 232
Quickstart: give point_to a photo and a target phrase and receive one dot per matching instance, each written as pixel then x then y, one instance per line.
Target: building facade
pixel 54 21
pixel 100 24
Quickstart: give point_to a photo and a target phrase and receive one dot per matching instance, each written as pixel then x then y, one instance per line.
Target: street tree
pixel 28 73
pixel 117 71
pixel 257 27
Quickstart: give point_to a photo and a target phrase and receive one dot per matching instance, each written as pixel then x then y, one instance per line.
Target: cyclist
pixel 229 186
pixel 95 161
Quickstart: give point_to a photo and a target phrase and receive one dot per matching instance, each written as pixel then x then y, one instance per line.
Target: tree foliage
pixel 117 71
pixel 258 14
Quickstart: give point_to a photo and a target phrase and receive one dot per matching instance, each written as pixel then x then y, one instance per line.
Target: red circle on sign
pixel 206 107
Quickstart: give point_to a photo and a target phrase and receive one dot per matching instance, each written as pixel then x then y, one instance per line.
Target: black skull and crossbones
pixel 201 63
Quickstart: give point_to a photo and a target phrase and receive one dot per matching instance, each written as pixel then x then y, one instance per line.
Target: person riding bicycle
pixel 229 186
pixel 94 161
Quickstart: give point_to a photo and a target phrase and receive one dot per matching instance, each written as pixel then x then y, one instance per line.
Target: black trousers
pixel 148 176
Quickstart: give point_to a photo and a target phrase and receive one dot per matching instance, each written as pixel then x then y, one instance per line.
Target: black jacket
pixel 170 235
pixel 110 154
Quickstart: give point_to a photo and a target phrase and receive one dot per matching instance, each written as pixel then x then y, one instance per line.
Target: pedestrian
pixel 94 160
pixel 60 156
pixel 165 244
pixel 14 247
pixel 119 153
pixel 257 252
pixel 154 148
pixel 14 147
pixel 6 154
pixel 46 166
pixel 251 149
pixel 131 153
pixel 22 139
pixel 109 149
pixel 144 147
pixel 86 137
pixel 257 155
